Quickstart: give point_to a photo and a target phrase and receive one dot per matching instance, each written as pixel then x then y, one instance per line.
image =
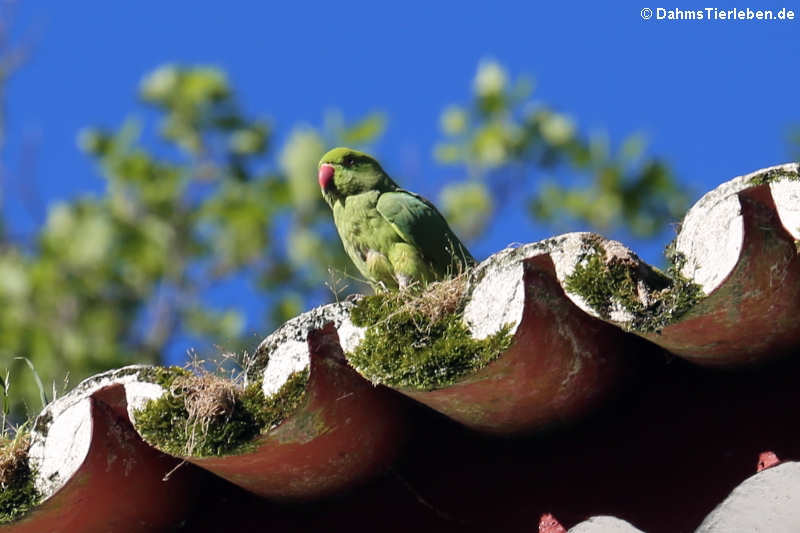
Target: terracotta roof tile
pixel 601 403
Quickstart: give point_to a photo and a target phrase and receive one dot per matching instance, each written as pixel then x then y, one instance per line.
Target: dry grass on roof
pixel 13 453
pixel 433 301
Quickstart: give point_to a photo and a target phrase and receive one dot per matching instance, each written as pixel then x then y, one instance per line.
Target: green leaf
pixel 364 131
pixel 467 207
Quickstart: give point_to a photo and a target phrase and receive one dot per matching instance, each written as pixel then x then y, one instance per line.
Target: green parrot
pixel 394 237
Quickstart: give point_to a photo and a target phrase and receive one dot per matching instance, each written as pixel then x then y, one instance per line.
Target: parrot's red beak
pixel 325 176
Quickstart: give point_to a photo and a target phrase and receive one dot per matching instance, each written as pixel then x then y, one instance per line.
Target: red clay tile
pixel 118 485
pixel 562 363
pixel 346 431
pixel 549 524
pixel 767 460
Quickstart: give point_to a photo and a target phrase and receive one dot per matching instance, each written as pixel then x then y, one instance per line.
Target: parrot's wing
pixel 420 224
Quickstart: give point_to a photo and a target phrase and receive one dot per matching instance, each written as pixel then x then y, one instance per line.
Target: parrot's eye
pixel 347 162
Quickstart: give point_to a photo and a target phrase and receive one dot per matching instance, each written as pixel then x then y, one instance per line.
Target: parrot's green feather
pixel 420 224
pixel 394 237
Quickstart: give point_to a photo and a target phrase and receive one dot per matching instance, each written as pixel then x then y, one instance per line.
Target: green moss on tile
pixel 417 339
pixel 18 495
pixel 652 299
pixel 269 412
pixel 162 375
pixel 211 416
pixel 776 174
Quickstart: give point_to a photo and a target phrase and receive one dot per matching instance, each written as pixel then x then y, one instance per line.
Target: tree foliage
pixel 504 137
pixel 202 199
pixel 115 278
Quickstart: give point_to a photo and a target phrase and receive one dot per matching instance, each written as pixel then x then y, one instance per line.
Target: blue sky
pixel 715 98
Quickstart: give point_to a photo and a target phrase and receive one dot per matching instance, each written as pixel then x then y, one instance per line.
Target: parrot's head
pixel 344 172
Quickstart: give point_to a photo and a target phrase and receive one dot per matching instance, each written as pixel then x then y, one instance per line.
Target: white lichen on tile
pixel 62 432
pixel 286 350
